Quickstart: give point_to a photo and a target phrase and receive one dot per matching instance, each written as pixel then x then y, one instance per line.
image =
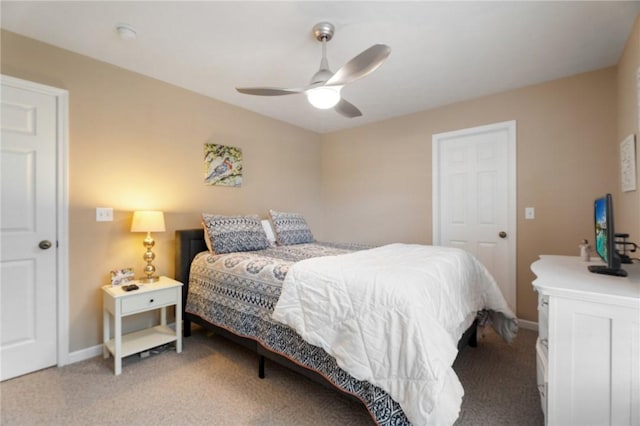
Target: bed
pixel 235 294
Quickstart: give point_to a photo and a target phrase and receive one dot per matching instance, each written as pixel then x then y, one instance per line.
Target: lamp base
pixel 148 280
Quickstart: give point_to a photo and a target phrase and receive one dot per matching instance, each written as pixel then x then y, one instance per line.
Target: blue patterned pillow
pixel 207 238
pixel 290 228
pixel 228 234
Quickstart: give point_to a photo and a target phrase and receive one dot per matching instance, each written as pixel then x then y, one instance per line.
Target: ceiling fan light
pixel 324 97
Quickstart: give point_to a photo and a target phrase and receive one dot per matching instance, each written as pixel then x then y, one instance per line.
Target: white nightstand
pixel 119 303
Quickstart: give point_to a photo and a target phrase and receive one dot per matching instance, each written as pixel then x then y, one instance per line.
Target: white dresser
pixel 588 349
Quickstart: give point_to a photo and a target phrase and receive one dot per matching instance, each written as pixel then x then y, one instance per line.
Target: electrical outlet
pixel 529 213
pixel 104 214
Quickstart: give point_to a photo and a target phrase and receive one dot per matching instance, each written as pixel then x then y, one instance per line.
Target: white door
pixel 474 197
pixel 28 280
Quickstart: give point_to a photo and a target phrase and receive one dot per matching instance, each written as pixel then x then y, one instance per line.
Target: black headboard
pixel 189 242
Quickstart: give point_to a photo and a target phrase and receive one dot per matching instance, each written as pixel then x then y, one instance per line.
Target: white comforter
pixel 393 316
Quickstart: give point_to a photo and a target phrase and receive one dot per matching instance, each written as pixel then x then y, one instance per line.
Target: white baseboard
pixel 84 354
pixel 528 325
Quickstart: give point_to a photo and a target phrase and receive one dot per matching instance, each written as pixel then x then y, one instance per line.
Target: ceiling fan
pixel 324 89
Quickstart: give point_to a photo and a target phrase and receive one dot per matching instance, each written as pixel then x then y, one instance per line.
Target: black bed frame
pixel 189 243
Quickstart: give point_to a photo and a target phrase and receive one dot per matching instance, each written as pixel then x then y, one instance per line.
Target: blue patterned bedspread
pixel 238 291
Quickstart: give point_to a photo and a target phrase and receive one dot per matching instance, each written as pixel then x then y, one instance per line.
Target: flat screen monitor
pixel 605 238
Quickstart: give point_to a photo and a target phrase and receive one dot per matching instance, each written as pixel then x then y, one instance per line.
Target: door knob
pixel 502 234
pixel 45 244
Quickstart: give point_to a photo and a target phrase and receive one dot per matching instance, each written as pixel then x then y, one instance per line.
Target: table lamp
pixel 148 221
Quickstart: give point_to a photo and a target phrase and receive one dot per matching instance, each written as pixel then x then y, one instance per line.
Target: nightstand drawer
pixel 148 300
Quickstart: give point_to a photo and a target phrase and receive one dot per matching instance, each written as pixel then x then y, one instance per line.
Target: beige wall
pixel 627 204
pixel 137 143
pixel 377 178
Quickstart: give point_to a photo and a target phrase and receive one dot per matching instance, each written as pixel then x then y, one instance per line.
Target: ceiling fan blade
pixel 268 91
pixel 347 109
pixel 365 63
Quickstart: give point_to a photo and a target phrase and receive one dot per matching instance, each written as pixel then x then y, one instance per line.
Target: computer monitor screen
pixel 601 226
pixel 605 238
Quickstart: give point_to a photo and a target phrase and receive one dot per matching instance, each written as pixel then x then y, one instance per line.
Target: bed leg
pixel 186 328
pixel 473 339
pixel 261 367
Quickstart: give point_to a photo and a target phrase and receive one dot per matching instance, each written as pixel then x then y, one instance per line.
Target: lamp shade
pixel 147 221
pixel 324 97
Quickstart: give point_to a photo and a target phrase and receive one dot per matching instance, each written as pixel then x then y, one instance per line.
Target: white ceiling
pixel 442 52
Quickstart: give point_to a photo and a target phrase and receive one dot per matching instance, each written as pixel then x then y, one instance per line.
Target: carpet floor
pixel 214 382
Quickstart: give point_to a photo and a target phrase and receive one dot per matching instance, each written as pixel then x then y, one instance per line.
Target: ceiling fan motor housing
pixel 321 76
pixel 323 31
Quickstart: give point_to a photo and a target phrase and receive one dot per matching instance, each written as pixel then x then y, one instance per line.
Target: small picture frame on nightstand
pixel 122 276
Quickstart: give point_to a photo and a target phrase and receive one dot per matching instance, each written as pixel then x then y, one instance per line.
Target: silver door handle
pixel 502 234
pixel 45 244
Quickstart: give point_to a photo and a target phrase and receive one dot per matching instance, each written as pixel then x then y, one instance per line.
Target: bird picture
pixel 222 165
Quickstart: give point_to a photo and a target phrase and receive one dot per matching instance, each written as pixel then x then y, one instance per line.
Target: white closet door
pixel 474 197
pixel 28 291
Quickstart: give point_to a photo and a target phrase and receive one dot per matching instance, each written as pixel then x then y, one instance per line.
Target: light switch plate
pixel 104 214
pixel 529 213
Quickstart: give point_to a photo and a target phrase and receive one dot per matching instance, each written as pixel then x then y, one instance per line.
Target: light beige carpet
pixel 214 382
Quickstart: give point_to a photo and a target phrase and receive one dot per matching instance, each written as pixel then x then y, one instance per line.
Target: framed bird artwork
pixel 222 165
